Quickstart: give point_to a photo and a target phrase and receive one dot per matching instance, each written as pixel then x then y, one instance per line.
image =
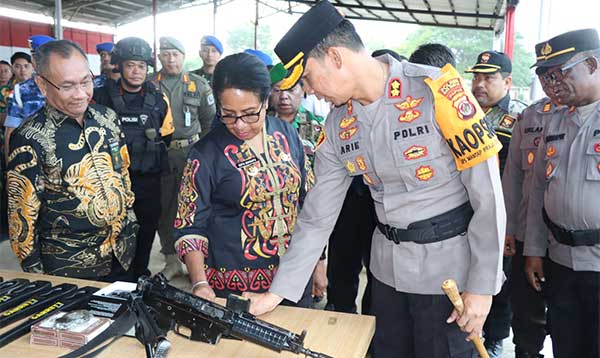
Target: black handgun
pixel 72 301
pixel 8 285
pixel 34 303
pixel 207 321
pixel 19 294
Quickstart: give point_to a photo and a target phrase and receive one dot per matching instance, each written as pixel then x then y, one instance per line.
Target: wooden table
pixel 339 335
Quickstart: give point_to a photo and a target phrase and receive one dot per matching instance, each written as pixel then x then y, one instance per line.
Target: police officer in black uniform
pixel 147 125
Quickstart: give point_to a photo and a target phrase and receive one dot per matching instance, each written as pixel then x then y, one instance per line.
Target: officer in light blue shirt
pixel 26 98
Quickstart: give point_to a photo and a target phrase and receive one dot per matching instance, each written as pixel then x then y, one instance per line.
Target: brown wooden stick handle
pixel 451 290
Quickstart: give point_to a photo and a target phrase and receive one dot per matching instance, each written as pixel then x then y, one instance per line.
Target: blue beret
pixel 213 41
pixel 266 59
pixel 36 41
pixel 105 46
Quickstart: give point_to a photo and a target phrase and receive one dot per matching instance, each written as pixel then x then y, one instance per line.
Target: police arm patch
pixel 320 140
pixel 210 98
pixel 461 120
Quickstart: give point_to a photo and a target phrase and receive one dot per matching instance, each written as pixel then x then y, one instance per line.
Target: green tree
pixel 466 45
pixel 241 37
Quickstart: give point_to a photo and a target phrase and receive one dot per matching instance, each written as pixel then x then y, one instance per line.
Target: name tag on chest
pixel 246 162
pixel 410 132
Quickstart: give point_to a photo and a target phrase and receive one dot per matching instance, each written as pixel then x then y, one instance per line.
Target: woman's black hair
pixel 242 71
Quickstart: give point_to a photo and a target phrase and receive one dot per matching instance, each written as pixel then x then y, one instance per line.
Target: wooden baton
pixel 451 290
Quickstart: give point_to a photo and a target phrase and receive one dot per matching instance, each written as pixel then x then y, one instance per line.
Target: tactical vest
pixel 141 127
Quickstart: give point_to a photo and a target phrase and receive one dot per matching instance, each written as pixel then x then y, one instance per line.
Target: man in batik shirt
pixel 70 199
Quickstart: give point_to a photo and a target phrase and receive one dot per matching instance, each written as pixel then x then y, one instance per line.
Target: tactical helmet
pixel 132 48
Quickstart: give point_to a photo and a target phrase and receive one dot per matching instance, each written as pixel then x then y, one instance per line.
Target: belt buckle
pixel 392 234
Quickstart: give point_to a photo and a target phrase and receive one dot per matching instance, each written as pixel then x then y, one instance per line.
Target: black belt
pixel 572 237
pixel 438 228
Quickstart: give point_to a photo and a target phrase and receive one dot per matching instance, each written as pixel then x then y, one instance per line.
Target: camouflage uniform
pixel 503 117
pixel 4 93
pixel 310 128
pixel 207 76
pixel 99 81
pixel 193 109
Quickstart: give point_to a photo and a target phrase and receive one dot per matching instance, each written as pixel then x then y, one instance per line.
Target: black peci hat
pixel 306 33
pixel 491 62
pixel 561 48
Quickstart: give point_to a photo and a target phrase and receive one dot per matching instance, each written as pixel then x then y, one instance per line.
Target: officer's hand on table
pixel 320 281
pixel 261 303
pixel 473 317
pixel 534 270
pixel 509 246
pixel 206 292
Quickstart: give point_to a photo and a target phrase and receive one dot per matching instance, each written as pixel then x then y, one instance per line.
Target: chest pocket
pixel 528 148
pixel 421 163
pixel 593 160
pixel 191 101
pixel 191 104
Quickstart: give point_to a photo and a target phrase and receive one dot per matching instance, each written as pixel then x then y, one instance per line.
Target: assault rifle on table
pixel 71 301
pixel 208 321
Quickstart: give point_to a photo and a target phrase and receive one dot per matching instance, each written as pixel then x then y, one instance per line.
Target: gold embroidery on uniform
pixel 424 173
pixel 549 169
pixel 351 167
pixel 550 151
pixel 546 50
pixel 530 157
pixel 415 152
pixel 395 88
pixel 346 122
pixel 346 134
pixel 361 163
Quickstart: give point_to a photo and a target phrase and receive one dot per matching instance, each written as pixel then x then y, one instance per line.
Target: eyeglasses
pixel 71 87
pixel 558 74
pixel 246 118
